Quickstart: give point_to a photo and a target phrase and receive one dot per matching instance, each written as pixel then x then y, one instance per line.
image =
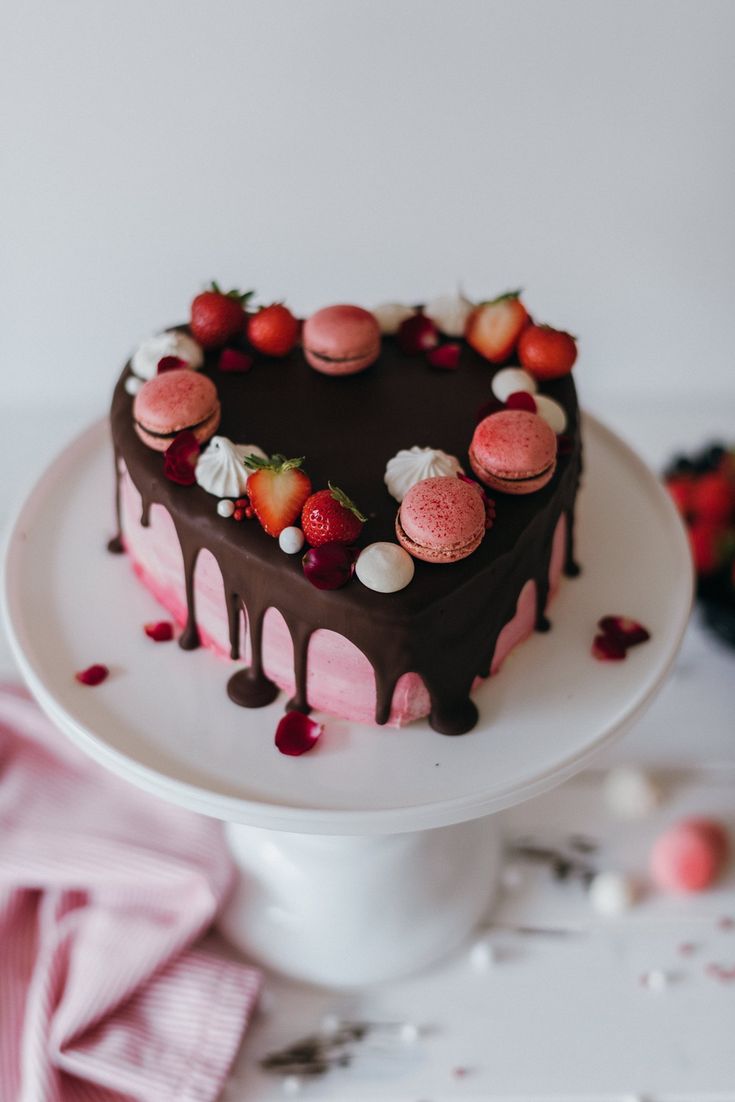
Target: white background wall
pixel 329 150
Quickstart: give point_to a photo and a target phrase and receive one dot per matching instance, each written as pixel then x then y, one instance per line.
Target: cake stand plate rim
pixel 70 711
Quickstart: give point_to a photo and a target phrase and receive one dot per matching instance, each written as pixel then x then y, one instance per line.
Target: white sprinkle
pixel 292 1084
pixel 133 385
pixel 225 508
pixel 553 414
pixel 291 540
pixel 482 955
pixel 511 878
pixel 510 380
pixel 329 1024
pixel 656 980
pixel 612 893
pixel 409 1033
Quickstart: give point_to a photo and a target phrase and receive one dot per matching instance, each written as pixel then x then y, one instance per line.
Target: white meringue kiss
pixel 390 316
pixel 384 567
pixel 449 313
pixel 553 414
pixel 412 465
pixel 510 380
pixel 149 352
pixel 220 469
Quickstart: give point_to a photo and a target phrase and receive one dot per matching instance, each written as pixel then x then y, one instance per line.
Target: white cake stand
pixel 376 853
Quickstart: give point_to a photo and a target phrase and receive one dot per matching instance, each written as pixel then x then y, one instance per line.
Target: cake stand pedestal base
pixel 344 911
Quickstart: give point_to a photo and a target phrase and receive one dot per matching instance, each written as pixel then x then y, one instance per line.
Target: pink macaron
pixel 170 403
pixel 689 856
pixel 341 340
pixel 513 451
pixel 441 520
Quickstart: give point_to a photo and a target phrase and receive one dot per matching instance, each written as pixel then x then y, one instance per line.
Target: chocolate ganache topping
pixel 443 626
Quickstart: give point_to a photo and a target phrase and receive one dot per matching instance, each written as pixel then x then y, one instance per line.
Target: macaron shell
pixel 441 520
pixel 172 402
pixel 513 451
pixel 341 340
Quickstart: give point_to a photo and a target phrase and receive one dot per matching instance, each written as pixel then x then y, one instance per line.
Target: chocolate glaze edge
pixel 449 640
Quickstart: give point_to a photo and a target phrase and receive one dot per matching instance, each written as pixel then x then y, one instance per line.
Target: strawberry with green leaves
pixel 277 489
pixel 217 316
pixel 330 517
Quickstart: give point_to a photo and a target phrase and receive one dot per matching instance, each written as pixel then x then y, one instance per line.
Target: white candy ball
pixel 510 380
pixel 291 540
pixel 384 567
pixel 133 385
pixel 553 414
pixel 482 955
pixel 612 893
pixel 630 793
pixel 449 313
pixel 225 508
pixel 390 316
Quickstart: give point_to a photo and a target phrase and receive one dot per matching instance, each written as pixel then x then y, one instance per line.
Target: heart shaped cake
pixel 368 443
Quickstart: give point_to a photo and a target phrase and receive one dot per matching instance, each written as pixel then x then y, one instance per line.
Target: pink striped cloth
pixel 104 892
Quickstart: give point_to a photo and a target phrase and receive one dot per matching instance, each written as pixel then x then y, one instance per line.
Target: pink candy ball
pixel 689 856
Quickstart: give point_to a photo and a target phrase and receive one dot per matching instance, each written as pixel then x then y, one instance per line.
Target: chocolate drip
pixel 115 545
pixel 445 625
pixel 572 568
pixel 300 634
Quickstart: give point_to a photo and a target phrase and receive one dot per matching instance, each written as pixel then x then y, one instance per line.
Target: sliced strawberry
pixel 625 631
pixel 493 328
pixel 277 490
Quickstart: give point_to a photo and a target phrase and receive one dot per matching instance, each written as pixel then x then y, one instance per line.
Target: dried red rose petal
pixel 331 565
pixel 627 632
pixel 232 359
pixel 296 734
pixel 180 458
pixel 417 334
pixel 160 632
pixel 521 399
pixel 445 357
pixel 170 363
pixel 607 648
pixel 564 444
pixel 93 675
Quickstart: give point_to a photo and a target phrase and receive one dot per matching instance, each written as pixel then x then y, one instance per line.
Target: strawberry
pixel 277 490
pixel 330 517
pixel 217 317
pixel 713 497
pixel 493 328
pixel 547 353
pixel 705 540
pixel 680 489
pixel 273 330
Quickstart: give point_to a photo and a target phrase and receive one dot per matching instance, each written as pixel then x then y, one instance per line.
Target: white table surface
pixel 555 1018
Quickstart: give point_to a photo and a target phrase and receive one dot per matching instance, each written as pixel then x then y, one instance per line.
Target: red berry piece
pixel 297 734
pixel 706 540
pixel 626 631
pixel 160 632
pixel 606 648
pixel 242 503
pixel 180 458
pixel 170 363
pixel 417 334
pixel 238 514
pixel 217 317
pixel 547 353
pixel 93 675
pixel 277 489
pixel 493 328
pixel 234 361
pixel 521 400
pixel 712 498
pixel 445 357
pixel 273 330
pixel 680 490
pixel 329 566
pixel 329 516
pixel 493 405
pixel 564 444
